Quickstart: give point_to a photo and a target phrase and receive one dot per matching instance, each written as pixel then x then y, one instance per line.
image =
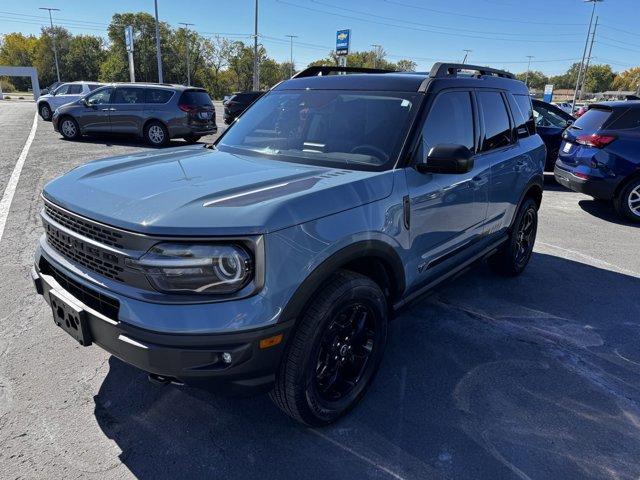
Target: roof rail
pixel 442 69
pixel 321 70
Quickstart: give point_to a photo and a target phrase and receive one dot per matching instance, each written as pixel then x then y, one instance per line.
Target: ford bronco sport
pixel 273 259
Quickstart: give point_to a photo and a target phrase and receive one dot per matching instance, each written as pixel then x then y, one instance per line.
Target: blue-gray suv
pixel 272 260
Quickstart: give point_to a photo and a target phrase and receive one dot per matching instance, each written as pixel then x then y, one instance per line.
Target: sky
pixel 499 33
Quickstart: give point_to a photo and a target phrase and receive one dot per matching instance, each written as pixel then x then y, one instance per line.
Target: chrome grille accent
pixel 86 229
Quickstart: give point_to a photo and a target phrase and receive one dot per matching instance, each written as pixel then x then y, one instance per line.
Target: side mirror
pixel 84 102
pixel 447 158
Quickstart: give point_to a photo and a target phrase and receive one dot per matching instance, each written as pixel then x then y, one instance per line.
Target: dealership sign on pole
pixel 343 41
pixel 128 42
pixel 548 93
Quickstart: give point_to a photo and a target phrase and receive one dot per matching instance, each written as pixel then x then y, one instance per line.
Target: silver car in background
pixel 63 94
pixel 154 112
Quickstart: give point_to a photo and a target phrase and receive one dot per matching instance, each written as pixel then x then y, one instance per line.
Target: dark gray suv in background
pixel 155 112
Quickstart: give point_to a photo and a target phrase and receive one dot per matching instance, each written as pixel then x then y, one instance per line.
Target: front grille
pixel 86 229
pixel 91 258
pixel 107 306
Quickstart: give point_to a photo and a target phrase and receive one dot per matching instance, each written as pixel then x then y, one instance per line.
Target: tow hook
pixel 162 380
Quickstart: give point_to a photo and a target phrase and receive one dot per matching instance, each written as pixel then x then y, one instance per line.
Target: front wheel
pixel 69 128
pixel 627 203
pixel 45 112
pixel 513 256
pixel 335 352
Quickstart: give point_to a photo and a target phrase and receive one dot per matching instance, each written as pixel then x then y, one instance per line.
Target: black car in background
pixel 238 103
pixel 550 123
pixel 154 112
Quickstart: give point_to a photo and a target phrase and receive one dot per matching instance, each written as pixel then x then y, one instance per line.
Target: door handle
pixel 105 109
pixel 112 109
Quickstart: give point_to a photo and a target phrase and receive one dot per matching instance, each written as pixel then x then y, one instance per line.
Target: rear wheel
pixel 45 111
pixel 335 352
pixel 513 256
pixel 69 128
pixel 156 134
pixel 627 202
pixel 192 138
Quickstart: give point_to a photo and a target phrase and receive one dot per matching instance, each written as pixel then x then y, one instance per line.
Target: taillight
pixel 595 140
pixel 186 108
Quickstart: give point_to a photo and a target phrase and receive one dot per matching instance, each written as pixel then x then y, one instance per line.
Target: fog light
pixel 226 357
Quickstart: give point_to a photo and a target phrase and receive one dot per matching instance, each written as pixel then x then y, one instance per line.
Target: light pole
pixel 376 52
pixel 256 72
pixel 466 54
pixel 584 53
pixel 526 77
pixel 586 67
pixel 291 37
pixel 53 37
pixel 158 52
pixel 186 28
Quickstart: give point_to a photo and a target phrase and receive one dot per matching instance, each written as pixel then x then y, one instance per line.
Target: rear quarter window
pixel 522 112
pixel 196 98
pixel 593 119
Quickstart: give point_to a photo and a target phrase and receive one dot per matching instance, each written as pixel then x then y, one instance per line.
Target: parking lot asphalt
pixel 536 377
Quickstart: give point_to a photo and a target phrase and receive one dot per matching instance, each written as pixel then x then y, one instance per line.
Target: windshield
pixel 347 129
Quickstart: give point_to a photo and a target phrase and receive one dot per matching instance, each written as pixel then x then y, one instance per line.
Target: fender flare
pixel 536 181
pixel 362 249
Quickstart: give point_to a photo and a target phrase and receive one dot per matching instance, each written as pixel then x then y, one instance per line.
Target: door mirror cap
pixel 447 158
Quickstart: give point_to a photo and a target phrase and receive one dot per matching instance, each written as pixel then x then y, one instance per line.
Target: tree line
pixel 220 65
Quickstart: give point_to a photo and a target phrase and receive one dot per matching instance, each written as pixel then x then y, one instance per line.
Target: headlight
pixel 196 268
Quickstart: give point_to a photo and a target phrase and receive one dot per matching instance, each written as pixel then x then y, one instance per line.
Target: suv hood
pixel 197 191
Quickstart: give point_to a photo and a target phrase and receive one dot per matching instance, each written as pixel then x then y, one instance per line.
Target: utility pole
pixel 376 53
pixel 466 54
pixel 158 52
pixel 256 72
pixel 584 53
pixel 526 78
pixel 186 35
pixel 53 38
pixel 586 67
pixel 291 37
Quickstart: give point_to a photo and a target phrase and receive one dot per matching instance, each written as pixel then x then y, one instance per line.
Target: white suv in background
pixel 65 93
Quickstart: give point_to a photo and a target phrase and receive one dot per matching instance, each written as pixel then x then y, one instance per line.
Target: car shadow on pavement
pixel 530 377
pixel 129 141
pixel 604 210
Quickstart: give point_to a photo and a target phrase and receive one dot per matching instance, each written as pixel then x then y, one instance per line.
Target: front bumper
pixel 195 360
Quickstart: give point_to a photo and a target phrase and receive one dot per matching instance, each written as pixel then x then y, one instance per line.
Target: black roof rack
pixel 441 69
pixel 319 70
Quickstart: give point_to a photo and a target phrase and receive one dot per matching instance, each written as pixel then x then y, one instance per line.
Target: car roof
pixel 166 86
pixel 446 74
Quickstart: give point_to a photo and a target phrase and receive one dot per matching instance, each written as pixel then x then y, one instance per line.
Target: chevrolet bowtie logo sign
pixel 342 36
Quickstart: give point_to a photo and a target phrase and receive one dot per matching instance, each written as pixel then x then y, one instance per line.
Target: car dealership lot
pixel 533 377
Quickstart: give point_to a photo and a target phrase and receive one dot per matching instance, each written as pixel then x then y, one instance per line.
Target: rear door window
pixel 497 126
pixel 129 95
pixel 196 98
pixel 592 120
pixel 93 86
pixel 74 89
pixel 157 95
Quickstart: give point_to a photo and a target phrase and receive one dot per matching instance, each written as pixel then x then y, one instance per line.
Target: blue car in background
pixel 550 123
pixel 600 156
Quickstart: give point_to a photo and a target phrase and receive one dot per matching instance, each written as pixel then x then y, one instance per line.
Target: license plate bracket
pixel 71 318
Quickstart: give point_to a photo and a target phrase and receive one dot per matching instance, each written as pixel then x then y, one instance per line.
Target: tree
pixel 18 50
pixel 84 58
pixel 537 79
pixel 599 78
pixel 628 80
pixel 44 59
pixel 406 65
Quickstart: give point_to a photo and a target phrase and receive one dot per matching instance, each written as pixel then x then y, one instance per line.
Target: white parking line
pixel 10 190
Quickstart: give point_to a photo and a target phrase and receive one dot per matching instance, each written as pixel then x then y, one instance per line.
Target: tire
pixel 191 139
pixel 45 111
pixel 513 256
pixel 69 128
pixel 156 134
pixel 307 386
pixel 627 202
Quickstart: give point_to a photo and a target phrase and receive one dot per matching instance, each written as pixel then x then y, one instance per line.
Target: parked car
pixel 273 260
pixel 63 94
pixel 50 88
pixel 238 103
pixel 580 110
pixel 154 112
pixel 550 123
pixel 600 156
pixel 564 106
